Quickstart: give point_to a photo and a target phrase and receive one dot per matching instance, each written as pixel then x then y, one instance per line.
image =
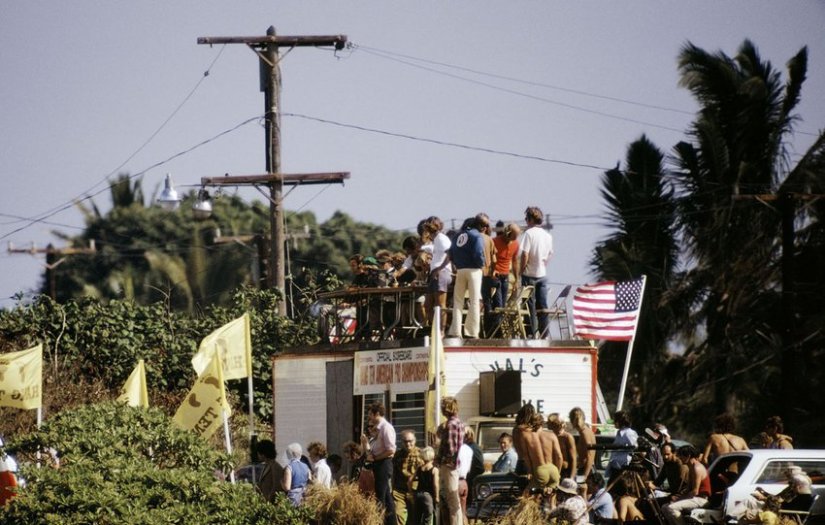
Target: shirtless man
pixel 567 444
pixel 547 474
pixel 722 439
pixel 525 441
pixel 695 493
pixel 586 457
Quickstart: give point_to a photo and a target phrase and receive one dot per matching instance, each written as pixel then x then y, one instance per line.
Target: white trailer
pixel 320 394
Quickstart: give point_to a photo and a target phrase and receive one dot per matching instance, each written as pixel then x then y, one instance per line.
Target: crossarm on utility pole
pixel 339 41
pixel 286 179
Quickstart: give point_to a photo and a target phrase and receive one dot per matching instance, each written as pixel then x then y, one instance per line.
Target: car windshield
pixel 488 434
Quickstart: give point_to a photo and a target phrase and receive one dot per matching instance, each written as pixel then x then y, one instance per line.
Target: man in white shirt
pixel 536 249
pixel 465 460
pixel 380 454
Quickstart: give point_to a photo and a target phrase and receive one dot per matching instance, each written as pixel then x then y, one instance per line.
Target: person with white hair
pixel 296 474
pixel 796 496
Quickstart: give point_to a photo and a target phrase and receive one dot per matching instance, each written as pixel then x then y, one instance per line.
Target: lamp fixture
pixel 169 198
pixel 202 207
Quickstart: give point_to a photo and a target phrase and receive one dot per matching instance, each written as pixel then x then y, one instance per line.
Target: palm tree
pixel 641 210
pixel 737 147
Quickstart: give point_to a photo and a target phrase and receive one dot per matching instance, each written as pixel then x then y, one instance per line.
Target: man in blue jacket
pixel 467 254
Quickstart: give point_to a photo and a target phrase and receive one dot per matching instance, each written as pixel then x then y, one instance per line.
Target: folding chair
pixel 511 316
pixel 558 312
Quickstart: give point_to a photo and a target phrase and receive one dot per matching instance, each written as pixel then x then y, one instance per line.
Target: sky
pixel 437 108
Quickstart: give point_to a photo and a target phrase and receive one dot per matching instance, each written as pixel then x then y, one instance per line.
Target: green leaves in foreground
pixel 121 465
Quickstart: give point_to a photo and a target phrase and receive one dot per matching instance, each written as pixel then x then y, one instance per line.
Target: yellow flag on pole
pixel 21 378
pixel 201 409
pixel 436 377
pixel 234 345
pixel 134 391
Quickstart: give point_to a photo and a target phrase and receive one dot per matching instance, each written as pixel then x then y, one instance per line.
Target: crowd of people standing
pixel 469 262
pixel 413 485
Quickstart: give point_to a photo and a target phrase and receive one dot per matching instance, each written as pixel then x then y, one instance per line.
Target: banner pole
pixel 626 371
pixel 439 348
pixel 253 436
pixel 228 441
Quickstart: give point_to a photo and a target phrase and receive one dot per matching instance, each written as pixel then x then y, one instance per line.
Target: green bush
pixel 121 465
pixel 87 341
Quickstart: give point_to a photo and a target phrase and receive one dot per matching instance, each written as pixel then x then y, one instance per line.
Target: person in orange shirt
pixel 507 248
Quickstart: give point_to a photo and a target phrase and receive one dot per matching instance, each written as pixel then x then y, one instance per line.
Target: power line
pixel 527 95
pixel 391 55
pixel 151 137
pixel 41 218
pixel 445 143
pixel 379 52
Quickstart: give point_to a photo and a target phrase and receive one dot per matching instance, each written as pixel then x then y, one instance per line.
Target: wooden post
pixel 267 49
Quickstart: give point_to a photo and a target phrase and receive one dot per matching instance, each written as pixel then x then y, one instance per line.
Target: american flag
pixel 608 310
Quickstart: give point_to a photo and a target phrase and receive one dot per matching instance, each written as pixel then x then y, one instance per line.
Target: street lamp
pixel 202 207
pixel 169 198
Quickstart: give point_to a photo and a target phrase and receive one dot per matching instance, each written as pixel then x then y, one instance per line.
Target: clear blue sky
pixel 86 84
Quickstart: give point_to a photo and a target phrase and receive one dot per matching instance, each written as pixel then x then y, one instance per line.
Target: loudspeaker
pixel 499 392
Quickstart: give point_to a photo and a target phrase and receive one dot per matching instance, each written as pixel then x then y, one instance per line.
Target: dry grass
pixel 527 512
pixel 343 505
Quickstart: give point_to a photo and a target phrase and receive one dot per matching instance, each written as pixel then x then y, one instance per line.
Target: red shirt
pixel 8 482
pixel 506 253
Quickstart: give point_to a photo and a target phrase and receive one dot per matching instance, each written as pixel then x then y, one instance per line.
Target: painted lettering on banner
pixel 399 370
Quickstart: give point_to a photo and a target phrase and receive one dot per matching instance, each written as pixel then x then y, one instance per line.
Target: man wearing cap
pixel 570 506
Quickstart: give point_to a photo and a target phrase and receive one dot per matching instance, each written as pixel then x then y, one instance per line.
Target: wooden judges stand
pixel 370 314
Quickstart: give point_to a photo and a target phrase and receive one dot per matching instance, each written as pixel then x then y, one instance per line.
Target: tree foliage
pixel 147 254
pixel 720 299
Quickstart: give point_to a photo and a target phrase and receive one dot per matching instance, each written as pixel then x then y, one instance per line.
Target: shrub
pixel 122 465
pixel 343 505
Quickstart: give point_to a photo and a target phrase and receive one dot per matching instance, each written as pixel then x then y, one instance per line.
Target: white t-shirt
pixel 465 460
pixel 441 244
pixel 538 244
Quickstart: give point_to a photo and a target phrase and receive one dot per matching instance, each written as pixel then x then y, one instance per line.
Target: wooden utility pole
pixel 54 257
pixel 266 47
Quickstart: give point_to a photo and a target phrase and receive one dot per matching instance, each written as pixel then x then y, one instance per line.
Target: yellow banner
pixel 134 391
pixel 432 403
pixel 21 378
pixel 234 345
pixel 201 409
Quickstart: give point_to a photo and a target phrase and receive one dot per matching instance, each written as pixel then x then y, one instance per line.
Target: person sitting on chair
pixel 697 491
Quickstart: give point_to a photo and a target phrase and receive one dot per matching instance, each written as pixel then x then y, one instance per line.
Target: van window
pixel 775 471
